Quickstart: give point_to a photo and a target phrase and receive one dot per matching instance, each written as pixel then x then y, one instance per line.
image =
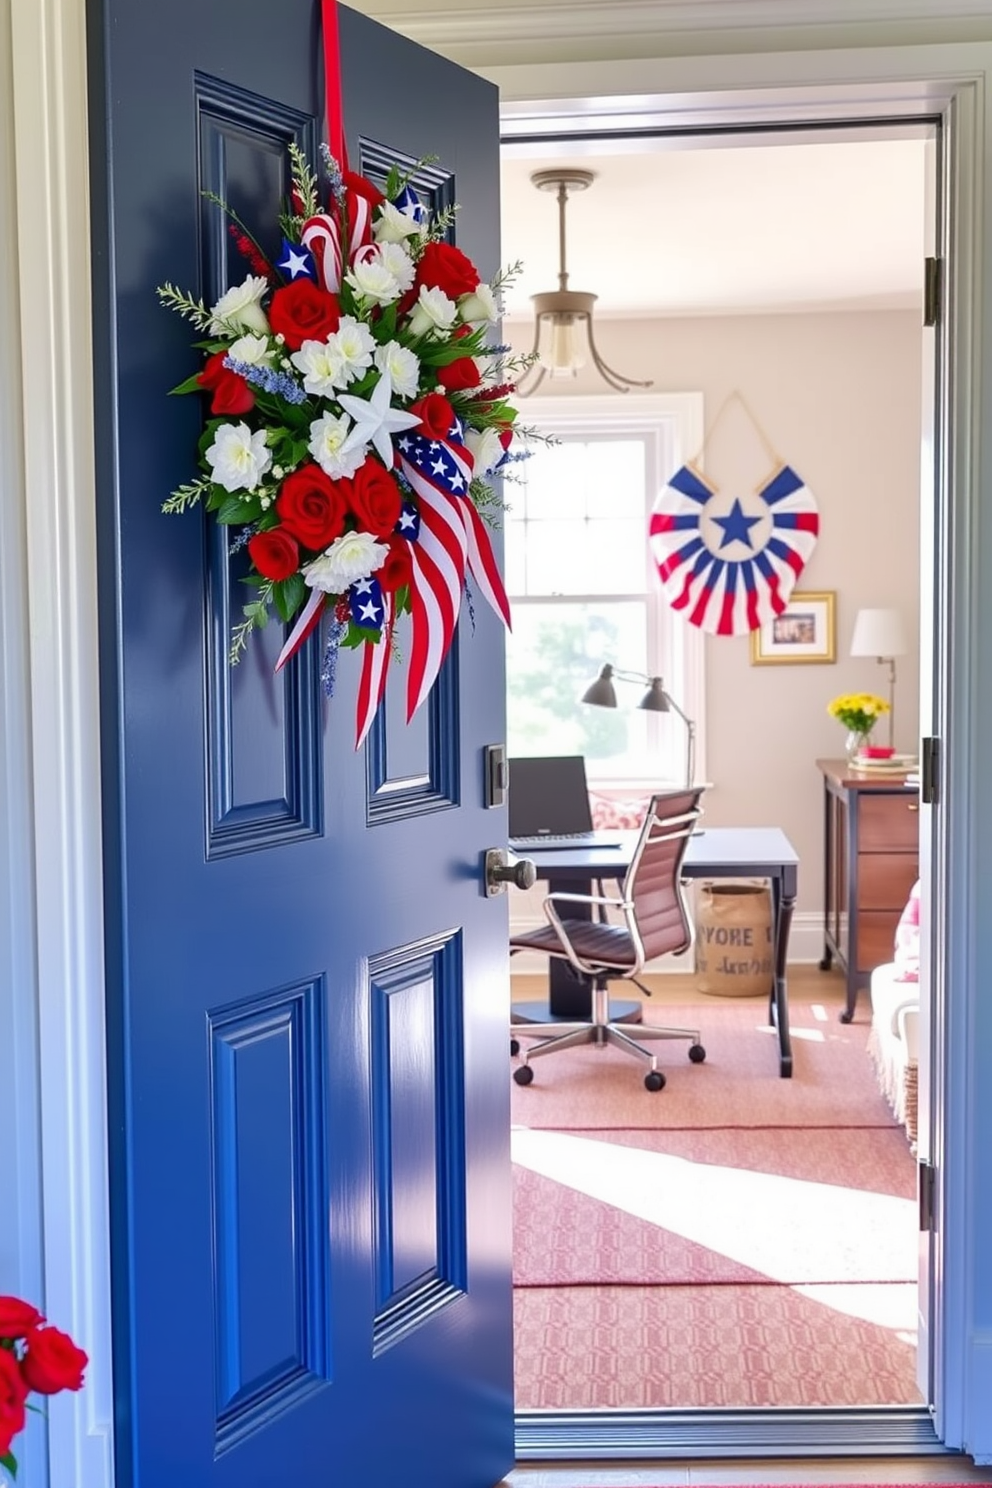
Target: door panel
pixel 307 999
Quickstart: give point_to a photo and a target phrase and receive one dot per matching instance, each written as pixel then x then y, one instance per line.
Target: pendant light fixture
pixel 563 334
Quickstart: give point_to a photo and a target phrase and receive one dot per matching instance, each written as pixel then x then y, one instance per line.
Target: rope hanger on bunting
pixel 728 564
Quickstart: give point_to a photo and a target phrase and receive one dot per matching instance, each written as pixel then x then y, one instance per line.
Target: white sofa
pixel 894 1041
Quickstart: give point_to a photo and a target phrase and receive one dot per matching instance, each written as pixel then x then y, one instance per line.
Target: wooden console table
pixel 871 861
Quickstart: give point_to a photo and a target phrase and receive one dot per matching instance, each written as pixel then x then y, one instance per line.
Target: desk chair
pixel 656 922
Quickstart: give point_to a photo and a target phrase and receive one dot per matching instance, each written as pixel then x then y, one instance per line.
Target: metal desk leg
pixel 783 902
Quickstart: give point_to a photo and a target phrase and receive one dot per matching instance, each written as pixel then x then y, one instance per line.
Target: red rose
pixel 457 376
pixel 231 394
pixel 13 1393
pixel 312 506
pixel 302 311
pixel 397 569
pixel 17 1317
pixel 274 553
pixel 52 1362
pixel 444 267
pixel 435 413
pixel 374 498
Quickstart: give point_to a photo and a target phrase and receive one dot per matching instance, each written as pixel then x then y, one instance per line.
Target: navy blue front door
pixel 306 984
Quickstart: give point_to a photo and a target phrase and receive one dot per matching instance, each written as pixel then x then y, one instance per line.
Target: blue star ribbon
pixel 365 603
pixel 297 262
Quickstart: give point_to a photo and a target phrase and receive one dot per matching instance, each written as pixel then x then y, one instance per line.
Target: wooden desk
pixel 715 852
pixel 871 861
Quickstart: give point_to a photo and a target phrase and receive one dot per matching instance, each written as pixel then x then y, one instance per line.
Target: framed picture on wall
pixel 804 632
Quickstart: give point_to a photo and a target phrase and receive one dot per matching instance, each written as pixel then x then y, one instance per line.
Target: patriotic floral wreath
pixel 352 430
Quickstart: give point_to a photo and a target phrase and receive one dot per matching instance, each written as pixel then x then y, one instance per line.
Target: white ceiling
pixel 707 227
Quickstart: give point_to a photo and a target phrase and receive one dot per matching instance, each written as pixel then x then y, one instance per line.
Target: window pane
pixel 553 654
pixel 614 472
pixel 554 481
pixel 576 557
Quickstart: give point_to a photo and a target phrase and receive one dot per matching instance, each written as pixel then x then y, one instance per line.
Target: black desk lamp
pixel 602 694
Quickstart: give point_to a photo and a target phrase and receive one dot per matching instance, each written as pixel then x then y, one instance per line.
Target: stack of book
pixel 893 764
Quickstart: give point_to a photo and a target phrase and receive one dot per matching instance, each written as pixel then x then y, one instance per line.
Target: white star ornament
pixel 375 421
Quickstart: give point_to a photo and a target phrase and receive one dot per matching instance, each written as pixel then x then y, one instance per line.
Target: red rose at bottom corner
pixel 17 1317
pixel 52 1362
pixel 435 414
pixel 13 1394
pixel 230 393
pixel 275 553
pixel 397 568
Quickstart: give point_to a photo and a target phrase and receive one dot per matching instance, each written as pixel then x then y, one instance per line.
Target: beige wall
pixel 838 397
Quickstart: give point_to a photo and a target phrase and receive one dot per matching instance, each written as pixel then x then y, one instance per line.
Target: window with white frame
pixel 584 589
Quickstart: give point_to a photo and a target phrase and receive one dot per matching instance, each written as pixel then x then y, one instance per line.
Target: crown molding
pixel 519 21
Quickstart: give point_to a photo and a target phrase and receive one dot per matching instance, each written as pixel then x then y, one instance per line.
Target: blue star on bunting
pixel 297 262
pixel 736 526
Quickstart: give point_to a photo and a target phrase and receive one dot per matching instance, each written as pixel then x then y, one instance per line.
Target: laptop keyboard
pixel 547 840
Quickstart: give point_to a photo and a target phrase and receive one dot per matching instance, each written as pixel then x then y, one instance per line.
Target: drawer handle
pixel 912 806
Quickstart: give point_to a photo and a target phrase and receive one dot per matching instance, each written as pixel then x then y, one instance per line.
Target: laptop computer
pixel 549 805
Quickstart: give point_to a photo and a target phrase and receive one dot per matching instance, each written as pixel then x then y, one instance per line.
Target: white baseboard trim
pixel 805 946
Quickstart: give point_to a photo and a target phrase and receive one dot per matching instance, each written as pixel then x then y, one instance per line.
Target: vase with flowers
pixel 858 712
pixel 33 1357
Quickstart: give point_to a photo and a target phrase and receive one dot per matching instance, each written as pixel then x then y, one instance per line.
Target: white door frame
pixel 56 629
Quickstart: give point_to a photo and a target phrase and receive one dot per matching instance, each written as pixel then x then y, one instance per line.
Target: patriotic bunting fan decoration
pixel 357 415
pixel 727 564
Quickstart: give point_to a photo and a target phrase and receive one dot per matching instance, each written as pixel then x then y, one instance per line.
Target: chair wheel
pixel 654 1081
pixel 514 1046
pixel 523 1074
pixel 697 1053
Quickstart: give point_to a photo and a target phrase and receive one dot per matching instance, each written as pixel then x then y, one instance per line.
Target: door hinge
pixel 933 285
pixel 927 1181
pixel 929 771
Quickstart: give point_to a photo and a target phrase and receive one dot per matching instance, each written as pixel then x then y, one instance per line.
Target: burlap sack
pixel 734 951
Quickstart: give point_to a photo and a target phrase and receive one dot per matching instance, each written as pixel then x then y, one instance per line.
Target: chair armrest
pixel 559 896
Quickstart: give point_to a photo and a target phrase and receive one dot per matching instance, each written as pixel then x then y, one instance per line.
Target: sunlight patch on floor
pixel 789 1229
pixel 886 1305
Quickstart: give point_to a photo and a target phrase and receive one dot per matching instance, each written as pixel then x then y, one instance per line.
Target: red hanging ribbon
pixel 333 107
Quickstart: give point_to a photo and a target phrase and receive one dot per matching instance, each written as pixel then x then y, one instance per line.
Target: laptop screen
pixel 549 795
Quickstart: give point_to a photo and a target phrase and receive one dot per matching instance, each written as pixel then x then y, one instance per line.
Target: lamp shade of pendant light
pixel 563 332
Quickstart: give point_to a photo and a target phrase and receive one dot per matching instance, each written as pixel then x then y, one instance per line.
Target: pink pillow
pixel 907 949
pixel 610 815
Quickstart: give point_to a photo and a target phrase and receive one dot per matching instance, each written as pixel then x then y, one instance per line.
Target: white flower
pixel 254 351
pixel 479 307
pixel 433 312
pixel 238 458
pixel 403 368
pixel 399 263
pixel 485 448
pixel 393 225
pixel 327 435
pixel 353 343
pixel 371 277
pixel 353 556
pixel 321 367
pixel 241 308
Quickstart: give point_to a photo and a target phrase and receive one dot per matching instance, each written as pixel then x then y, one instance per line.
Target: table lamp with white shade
pixel 880 633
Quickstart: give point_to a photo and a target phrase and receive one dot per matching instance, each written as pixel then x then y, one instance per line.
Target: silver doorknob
pixel 500 871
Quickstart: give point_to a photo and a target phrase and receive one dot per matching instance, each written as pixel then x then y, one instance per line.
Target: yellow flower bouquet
pixel 858 711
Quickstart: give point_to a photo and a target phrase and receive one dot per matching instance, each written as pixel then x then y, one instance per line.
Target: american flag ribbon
pixel 309 619
pixel 452 540
pixel 322 236
pixel 375 665
pixel 724 568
